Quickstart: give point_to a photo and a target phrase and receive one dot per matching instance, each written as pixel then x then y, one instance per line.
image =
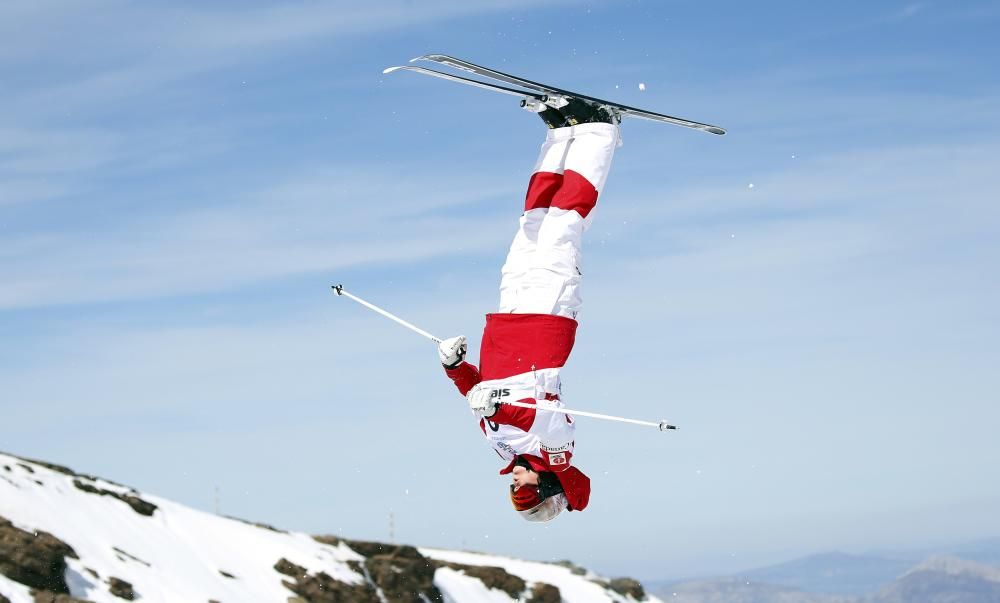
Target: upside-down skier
pixel 527 342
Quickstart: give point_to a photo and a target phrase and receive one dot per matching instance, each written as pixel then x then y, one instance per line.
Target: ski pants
pixel 542 273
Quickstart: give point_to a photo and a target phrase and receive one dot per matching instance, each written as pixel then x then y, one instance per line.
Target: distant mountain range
pixel 67 537
pixel 962 574
pixel 834 573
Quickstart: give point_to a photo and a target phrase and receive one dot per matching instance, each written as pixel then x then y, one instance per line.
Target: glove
pixel 452 351
pixel 483 401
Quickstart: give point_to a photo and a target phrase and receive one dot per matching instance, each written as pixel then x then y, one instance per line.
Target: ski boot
pixel 561 112
pixel 550 115
pixel 578 111
pixel 553 118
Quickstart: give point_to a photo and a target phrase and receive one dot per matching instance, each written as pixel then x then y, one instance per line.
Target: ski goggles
pixel 547 510
pixel 525 497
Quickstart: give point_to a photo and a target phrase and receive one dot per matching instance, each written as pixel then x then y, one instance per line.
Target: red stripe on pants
pixel 576 193
pixel 541 189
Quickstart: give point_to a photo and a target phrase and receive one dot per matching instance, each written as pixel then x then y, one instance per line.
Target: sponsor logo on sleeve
pixel 557 459
pixel 505 447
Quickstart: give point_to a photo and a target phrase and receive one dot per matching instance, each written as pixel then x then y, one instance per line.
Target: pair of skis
pixel 534 95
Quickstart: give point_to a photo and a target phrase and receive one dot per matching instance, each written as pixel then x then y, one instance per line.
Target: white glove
pixel 483 400
pixel 452 351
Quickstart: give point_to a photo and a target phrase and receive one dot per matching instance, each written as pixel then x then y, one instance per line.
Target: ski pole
pixel 339 289
pixel 663 425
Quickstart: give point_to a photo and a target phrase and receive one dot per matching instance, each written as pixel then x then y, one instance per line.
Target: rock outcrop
pixel 544 593
pixel 35 559
pixel 628 587
pixel 321 587
pixel 121 589
pixel 140 506
pixel 400 572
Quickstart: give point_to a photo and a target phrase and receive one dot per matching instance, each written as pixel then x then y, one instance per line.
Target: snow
pixel 456 586
pixel 17 593
pixel 572 587
pixel 179 553
pixel 174 555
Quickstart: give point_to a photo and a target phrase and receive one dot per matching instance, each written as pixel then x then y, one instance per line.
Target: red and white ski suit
pixel 528 341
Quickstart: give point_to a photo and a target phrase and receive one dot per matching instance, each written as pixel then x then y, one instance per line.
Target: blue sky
pixel 180 184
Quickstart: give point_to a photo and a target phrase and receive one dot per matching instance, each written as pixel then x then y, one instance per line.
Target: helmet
pixel 541 502
pixel 545 510
pixel 533 506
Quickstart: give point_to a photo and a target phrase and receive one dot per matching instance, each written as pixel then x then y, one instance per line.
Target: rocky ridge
pixel 67 537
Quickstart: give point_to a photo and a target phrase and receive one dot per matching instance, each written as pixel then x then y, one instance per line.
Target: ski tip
pixel 715 130
pixel 388 70
pixel 428 57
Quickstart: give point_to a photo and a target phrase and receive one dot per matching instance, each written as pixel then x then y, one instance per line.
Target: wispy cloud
pixel 326 220
pixel 153 45
pixel 43 163
pixel 905 221
pixel 315 223
pixel 910 10
pixel 46 162
pixel 55 135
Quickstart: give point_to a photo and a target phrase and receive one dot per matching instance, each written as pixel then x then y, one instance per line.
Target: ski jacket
pixel 520 359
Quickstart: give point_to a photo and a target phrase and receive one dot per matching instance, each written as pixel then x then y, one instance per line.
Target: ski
pixel 470 82
pixel 549 91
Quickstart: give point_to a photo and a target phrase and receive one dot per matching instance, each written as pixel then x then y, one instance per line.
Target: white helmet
pixel 546 510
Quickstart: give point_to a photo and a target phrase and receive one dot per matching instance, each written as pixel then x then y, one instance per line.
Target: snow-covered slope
pixel 574 584
pixel 103 542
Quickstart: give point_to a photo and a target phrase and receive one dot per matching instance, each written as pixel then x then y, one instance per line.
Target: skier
pixel 528 341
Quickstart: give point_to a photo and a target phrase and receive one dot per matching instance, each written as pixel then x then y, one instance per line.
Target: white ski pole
pixel 339 289
pixel 663 425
